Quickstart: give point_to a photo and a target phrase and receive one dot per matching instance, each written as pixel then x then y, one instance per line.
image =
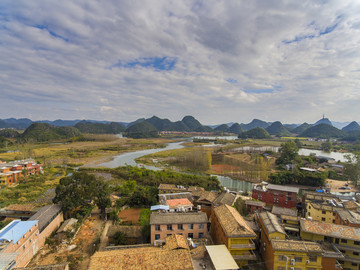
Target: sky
pixel 219 61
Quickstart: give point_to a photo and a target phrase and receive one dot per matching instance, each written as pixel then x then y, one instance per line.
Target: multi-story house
pixel 229 228
pixel 20 239
pixel 325 212
pixel 347 217
pixel 189 224
pixel 291 255
pixel 344 238
pixel 269 229
pixel 283 196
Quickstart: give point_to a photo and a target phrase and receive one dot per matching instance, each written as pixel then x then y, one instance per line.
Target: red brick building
pixel 283 196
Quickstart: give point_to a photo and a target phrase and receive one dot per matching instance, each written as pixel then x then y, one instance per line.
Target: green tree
pixel 298 143
pixel 288 152
pixel 352 167
pixel 326 146
pixel 102 196
pixel 79 190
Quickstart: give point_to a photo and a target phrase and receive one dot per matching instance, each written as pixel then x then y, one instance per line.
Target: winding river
pixel 225 181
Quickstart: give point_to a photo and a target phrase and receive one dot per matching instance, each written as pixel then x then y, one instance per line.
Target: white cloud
pixel 62 55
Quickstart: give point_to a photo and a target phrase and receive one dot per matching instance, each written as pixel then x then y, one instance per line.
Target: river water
pixel 225 181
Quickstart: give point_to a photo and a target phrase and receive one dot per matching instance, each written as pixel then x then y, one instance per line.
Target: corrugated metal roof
pixel 16 229
pixel 271 223
pixel 45 214
pixel 283 188
pixel 221 257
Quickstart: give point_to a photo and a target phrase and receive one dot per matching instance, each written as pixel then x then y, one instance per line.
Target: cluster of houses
pixel 192 228
pixel 12 172
pixel 22 238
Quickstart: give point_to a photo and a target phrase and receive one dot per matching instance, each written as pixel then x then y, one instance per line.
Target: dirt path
pixel 104 240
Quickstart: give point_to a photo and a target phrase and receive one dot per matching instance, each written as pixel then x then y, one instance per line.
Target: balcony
pixel 248 256
pixel 251 245
pixel 338 265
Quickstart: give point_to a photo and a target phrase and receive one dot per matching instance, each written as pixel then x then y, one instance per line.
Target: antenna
pixel 323 116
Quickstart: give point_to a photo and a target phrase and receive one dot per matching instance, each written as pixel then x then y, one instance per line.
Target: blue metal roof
pixel 159 207
pixel 16 229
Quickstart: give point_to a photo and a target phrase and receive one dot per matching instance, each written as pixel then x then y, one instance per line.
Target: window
pixel 356 253
pixel 354 264
pixel 356 243
pixel 157 236
pixel 201 226
pixel 324 212
pixel 343 241
pixel 180 227
pixel 169 227
pixel 201 235
pixel 191 226
pixel 298 259
pixel 282 258
pixel 334 214
pixel 323 219
pixel 190 235
pixel 157 227
pixel 312 258
pixel 169 234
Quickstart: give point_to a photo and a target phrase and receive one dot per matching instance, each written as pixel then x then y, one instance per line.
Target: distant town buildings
pixel 12 172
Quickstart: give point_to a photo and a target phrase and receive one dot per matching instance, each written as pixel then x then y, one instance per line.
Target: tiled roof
pixel 61 266
pixel 348 216
pixel 298 246
pixel 277 210
pixel 192 188
pixel 329 229
pixel 178 218
pixel 209 196
pixel 171 196
pixel 283 188
pixel 178 202
pixel 225 198
pixel 20 207
pixel 292 218
pixel 147 258
pixel 351 205
pixel 255 203
pixel 232 222
pixel 176 241
pixel 170 187
pixel 324 206
pixel 271 223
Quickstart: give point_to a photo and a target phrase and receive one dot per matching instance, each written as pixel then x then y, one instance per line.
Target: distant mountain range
pixel 322 128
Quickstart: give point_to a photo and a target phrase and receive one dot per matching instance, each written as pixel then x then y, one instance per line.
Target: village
pixel 272 227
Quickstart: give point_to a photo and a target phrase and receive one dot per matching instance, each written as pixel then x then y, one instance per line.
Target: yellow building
pixel 269 229
pixel 344 238
pixel 321 211
pixel 229 228
pixel 288 254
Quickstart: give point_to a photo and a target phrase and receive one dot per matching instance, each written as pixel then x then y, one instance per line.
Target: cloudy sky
pixel 220 61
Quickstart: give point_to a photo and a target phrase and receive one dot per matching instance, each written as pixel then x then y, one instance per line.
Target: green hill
pixel 9 133
pixel 254 124
pixel 222 128
pixel 42 132
pixel 141 130
pixel 192 123
pixel 100 128
pixel 351 127
pixel 323 131
pixel 300 129
pixel 353 135
pixel 236 128
pixel 255 133
pixel 277 129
